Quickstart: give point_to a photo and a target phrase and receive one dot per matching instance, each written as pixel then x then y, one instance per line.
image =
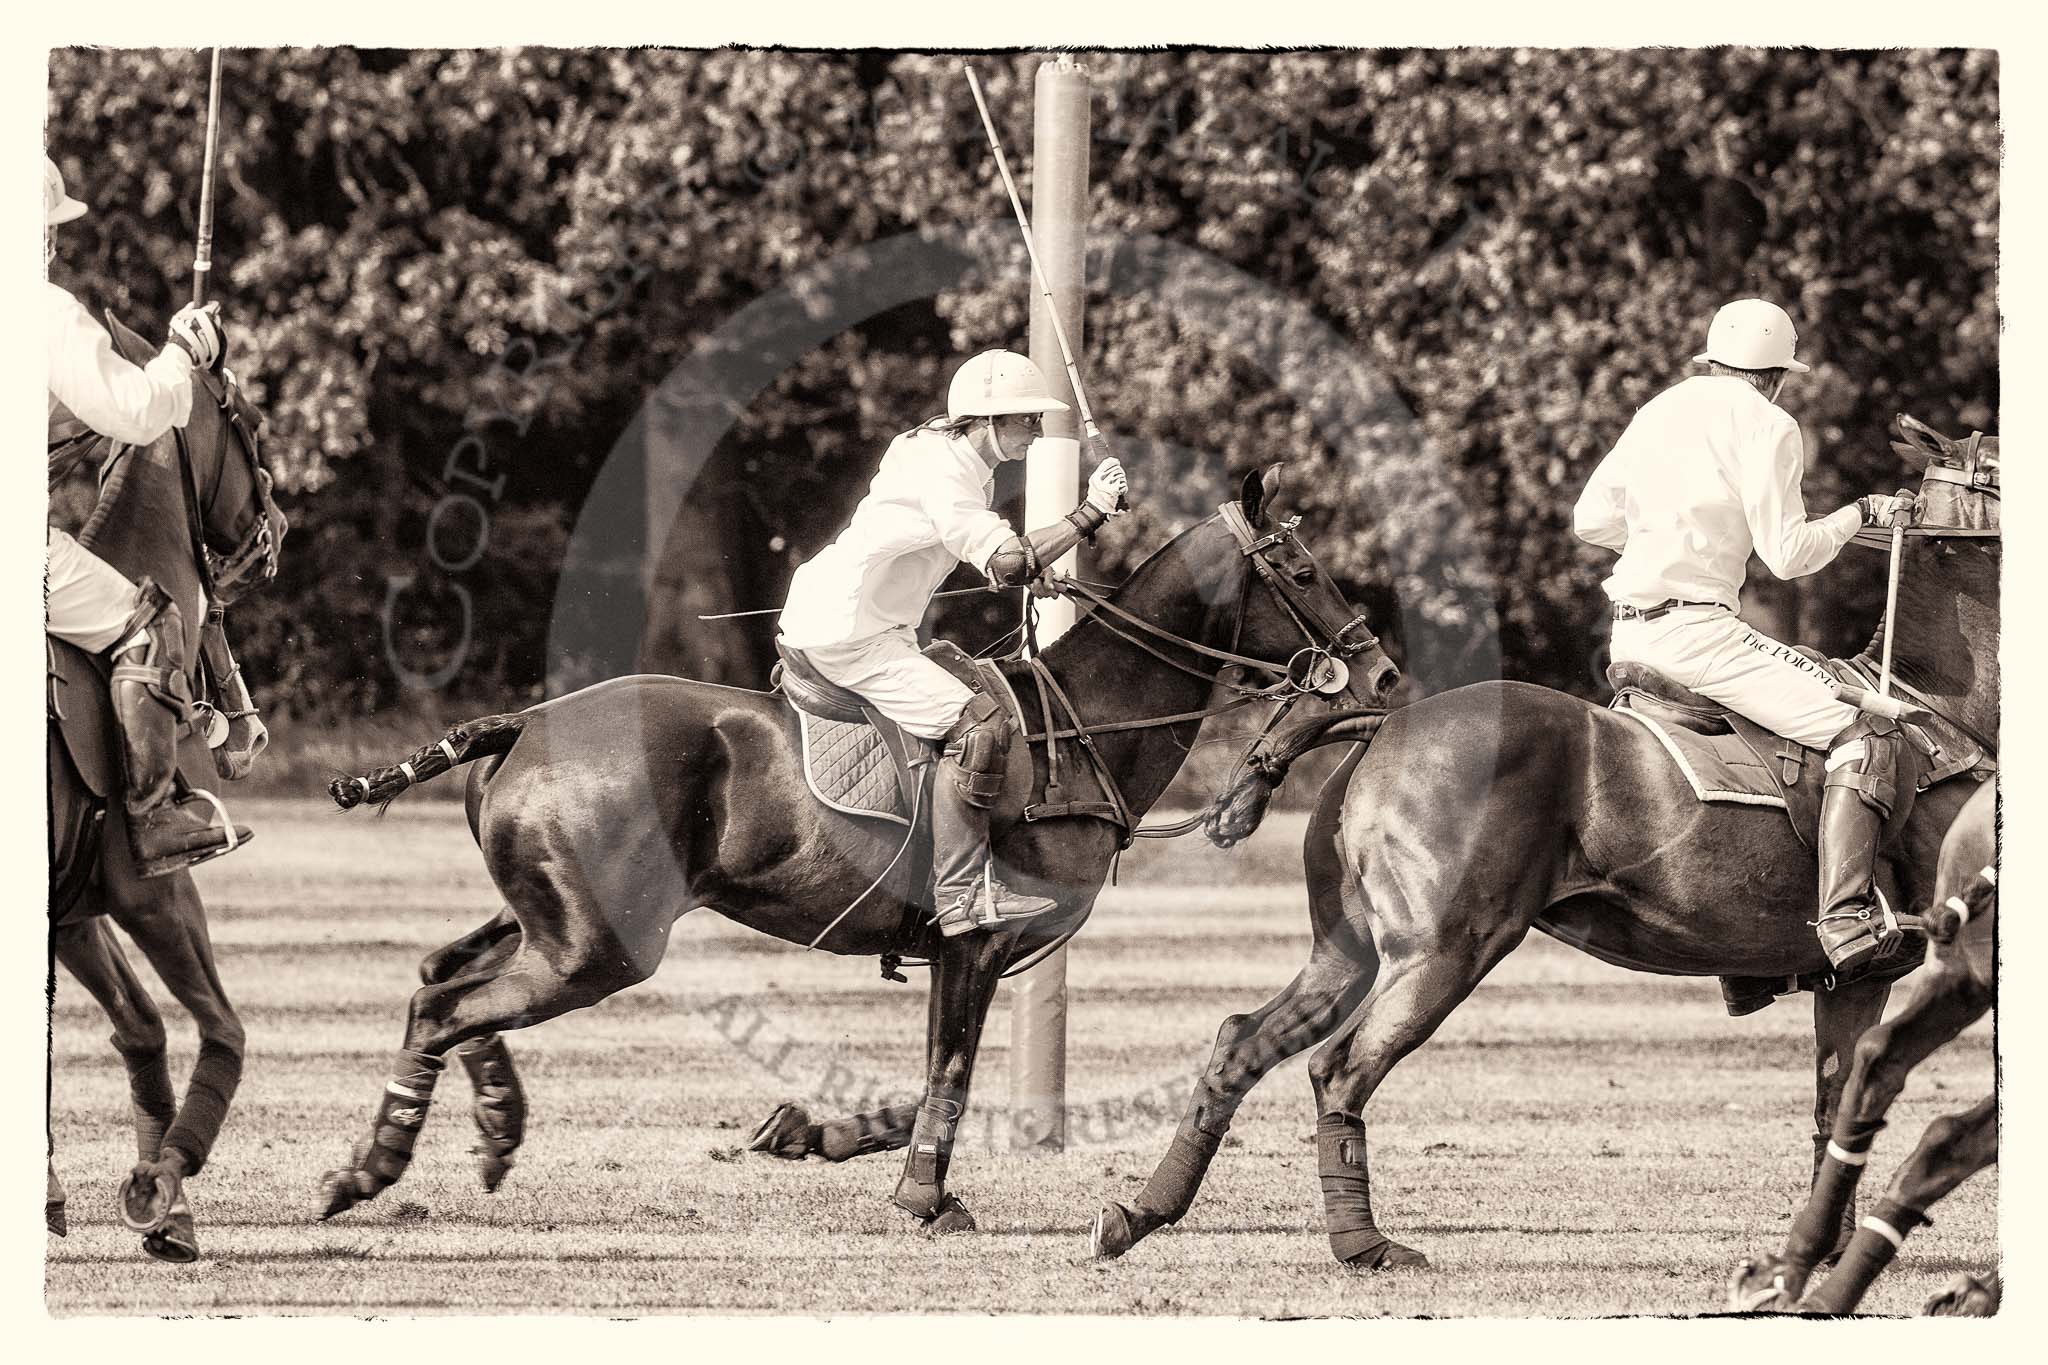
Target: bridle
pixel 1319 668
pixel 257 551
pixel 221 575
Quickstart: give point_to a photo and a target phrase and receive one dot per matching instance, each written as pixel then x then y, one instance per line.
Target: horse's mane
pixel 1017 669
pixel 115 470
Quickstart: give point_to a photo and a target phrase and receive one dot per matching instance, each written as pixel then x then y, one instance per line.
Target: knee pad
pixel 980 743
pixel 1870 758
pixel 155 613
pixel 161 669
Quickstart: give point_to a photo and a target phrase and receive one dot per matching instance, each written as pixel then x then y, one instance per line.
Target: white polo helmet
pixel 996 383
pixel 58 207
pixel 1752 334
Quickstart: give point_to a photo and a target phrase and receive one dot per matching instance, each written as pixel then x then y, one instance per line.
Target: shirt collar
pixel 974 456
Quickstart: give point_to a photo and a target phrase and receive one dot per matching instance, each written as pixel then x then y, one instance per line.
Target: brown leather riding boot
pixel 168 829
pixel 968 894
pixel 1855 928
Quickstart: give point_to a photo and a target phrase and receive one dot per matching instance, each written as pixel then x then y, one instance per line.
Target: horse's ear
pixel 1922 441
pixel 1261 486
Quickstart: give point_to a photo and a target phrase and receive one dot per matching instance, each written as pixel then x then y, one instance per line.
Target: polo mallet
pixel 1880 702
pixel 1059 331
pixel 202 260
pixel 1891 597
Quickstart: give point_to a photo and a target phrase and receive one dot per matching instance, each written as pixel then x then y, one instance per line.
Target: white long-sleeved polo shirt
pixel 133 404
pixel 926 510
pixel 1706 472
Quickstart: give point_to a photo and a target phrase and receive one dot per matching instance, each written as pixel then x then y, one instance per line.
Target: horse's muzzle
pixel 1381 682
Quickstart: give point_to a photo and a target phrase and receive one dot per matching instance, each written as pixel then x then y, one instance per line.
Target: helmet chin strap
pixel 996 440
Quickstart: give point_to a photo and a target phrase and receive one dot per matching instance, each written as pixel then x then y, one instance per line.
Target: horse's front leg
pixel 964 979
pixel 167 921
pixel 1841 1018
pixel 1877 1064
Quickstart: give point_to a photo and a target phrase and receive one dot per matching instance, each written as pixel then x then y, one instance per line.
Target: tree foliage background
pixel 1513 248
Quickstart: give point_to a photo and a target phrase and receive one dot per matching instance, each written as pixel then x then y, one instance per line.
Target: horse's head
pixel 1291 610
pixel 1944 633
pixel 239 527
pixel 1955 530
pixel 1959 492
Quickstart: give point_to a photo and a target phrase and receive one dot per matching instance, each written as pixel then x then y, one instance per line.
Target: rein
pixel 1324 672
pixel 258 544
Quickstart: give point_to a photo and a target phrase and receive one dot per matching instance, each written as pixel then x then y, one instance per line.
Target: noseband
pixel 1316 667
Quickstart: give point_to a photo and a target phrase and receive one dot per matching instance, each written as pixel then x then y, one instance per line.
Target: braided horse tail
pixel 473 739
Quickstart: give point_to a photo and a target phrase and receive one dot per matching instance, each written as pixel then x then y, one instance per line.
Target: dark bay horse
pixel 1478 814
pixel 1954 993
pixel 605 815
pixel 205 483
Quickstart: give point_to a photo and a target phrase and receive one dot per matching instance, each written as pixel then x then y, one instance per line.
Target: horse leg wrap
pixel 500 1108
pixel 400 1113
pixel 1877 1240
pixel 922 1188
pixel 156 1104
pixel 842 1139
pixel 1171 1190
pixel 215 1077
pixel 1837 1171
pixel 1347 1196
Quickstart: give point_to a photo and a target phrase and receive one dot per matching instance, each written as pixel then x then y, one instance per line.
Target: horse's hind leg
pixel 1949 1000
pixel 167 921
pixel 499 1108
pixel 1340 971
pixel 578 944
pixel 1248 1046
pixel 790 1133
pixel 1420 983
pixel 1951 1151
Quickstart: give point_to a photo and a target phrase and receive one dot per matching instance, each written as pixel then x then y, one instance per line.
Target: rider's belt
pixel 1624 612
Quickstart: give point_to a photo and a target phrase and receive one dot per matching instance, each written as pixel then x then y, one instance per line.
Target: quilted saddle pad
pixel 850 769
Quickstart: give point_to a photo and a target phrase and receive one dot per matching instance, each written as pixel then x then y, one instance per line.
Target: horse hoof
pixel 174 1241
pixel 1965 1296
pixel 1763 1284
pixel 338 1193
pixel 492 1167
pixel 146 1198
pixel 53 1218
pixel 952 1217
pixel 786 1133
pixel 1110 1235
pixel 1389 1255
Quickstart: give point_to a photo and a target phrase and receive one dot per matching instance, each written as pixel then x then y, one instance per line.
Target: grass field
pixel 1576 1139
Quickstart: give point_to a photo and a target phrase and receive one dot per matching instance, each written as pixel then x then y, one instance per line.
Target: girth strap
pixel 1115 810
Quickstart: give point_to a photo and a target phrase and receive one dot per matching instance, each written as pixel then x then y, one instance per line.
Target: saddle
pixel 1726 757
pixel 80 707
pixel 856 760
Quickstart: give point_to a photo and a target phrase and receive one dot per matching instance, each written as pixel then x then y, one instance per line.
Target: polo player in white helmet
pixel 854 607
pixel 1706 472
pixel 87 601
